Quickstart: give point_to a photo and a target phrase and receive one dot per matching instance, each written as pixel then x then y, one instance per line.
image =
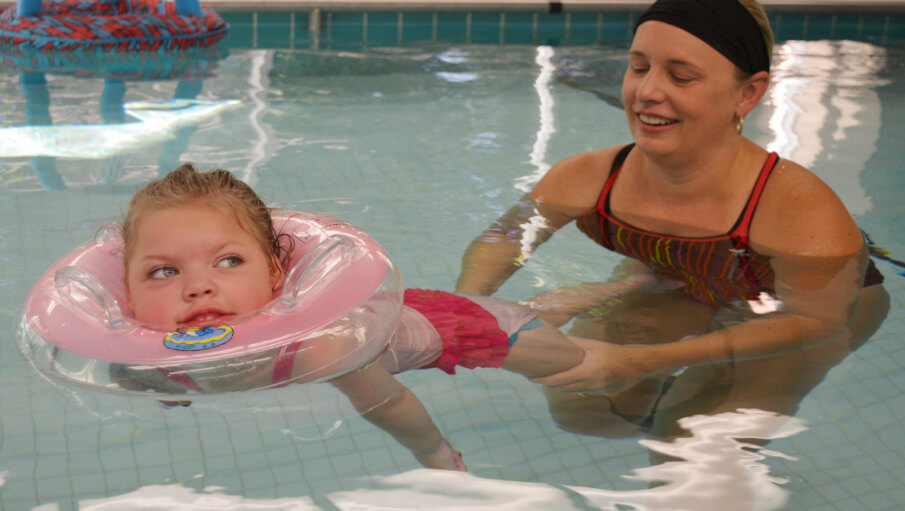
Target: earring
pixel 740 125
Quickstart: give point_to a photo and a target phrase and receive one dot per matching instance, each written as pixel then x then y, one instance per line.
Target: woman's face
pixel 679 92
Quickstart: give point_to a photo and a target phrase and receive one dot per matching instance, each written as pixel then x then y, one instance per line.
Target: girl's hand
pixel 606 368
pixel 445 458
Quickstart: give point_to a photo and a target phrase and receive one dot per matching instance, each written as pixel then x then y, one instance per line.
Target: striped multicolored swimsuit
pixel 716 270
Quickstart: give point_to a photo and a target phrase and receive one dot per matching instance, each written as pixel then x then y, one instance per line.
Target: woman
pixel 772 265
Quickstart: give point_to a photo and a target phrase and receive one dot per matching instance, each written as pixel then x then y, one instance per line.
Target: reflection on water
pixel 176 497
pixel 320 133
pixel 718 467
pixel 826 111
pixel 126 126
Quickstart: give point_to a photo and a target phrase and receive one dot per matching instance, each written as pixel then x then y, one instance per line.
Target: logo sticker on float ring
pixel 198 338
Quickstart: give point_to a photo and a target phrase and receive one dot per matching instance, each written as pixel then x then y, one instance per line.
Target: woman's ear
pixel 752 91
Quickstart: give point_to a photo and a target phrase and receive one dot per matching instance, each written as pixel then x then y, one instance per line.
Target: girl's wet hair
pixel 216 188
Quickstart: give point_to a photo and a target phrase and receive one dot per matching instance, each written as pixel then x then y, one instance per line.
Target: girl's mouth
pixel 204 318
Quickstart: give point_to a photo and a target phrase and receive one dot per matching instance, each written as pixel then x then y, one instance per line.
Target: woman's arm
pixel 818 258
pixel 491 258
pixel 807 318
pixel 559 305
pixel 388 404
pixel 568 190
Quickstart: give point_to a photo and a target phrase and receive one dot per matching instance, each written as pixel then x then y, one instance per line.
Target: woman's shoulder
pixel 577 179
pixel 799 213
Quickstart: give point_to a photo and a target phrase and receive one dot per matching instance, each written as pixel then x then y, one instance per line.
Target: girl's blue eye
pixel 164 272
pixel 229 261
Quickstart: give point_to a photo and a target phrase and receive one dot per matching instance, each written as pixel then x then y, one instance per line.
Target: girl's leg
pixel 536 347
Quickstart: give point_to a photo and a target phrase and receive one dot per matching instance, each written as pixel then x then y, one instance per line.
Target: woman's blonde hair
pixel 760 16
pixel 218 189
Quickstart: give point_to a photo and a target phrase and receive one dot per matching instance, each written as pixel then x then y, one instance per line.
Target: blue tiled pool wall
pixel 347 29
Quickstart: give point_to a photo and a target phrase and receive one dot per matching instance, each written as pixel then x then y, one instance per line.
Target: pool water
pixel 423 146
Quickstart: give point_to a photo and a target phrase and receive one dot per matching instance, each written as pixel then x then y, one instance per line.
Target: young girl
pixel 200 249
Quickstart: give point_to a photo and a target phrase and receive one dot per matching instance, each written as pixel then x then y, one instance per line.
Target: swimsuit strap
pixel 603 203
pixel 743 226
pixel 740 234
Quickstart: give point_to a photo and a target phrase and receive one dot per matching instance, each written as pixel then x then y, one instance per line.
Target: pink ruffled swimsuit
pixel 443 330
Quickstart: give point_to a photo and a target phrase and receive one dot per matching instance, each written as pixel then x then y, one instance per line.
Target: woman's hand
pixel 607 368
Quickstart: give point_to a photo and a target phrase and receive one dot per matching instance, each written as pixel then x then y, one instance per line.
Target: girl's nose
pixel 199 288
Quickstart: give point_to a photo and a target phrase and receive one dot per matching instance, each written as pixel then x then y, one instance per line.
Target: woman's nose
pixel 650 87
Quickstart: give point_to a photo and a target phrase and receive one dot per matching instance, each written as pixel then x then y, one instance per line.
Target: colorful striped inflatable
pixel 134 25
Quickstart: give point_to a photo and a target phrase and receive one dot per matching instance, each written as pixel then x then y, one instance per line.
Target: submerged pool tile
pixel 509 455
pixel 346 26
pixel 519 28
pixel 551 28
pixel 583 27
pixel 818 26
pixel 274 29
pixel 50 488
pixel 452 26
pixel 260 478
pixel 89 484
pixel 417 27
pixel 485 27
pixel 382 28
pixel 376 459
pixel 877 502
pixel 895 26
pixel 241 29
pixel 51 465
pixel 617 26
pixel 832 492
pixel 789 26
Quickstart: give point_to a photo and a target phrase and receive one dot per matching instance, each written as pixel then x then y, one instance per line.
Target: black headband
pixel 726 25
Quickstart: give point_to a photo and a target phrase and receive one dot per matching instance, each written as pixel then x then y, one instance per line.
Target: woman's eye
pixel 229 261
pixel 164 272
pixel 681 79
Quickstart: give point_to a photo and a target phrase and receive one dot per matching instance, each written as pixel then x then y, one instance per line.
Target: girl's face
pixel 679 93
pixel 196 266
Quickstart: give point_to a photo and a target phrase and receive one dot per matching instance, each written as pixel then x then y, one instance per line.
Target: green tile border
pixel 343 29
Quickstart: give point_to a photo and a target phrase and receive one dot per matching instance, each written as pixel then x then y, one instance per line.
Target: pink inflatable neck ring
pixel 339 305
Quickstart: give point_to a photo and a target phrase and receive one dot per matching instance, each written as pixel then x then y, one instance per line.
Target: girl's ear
pixel 277 274
pixel 126 287
pixel 753 90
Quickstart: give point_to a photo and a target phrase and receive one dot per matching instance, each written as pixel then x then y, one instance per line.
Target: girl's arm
pixel 388 404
